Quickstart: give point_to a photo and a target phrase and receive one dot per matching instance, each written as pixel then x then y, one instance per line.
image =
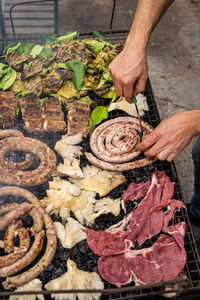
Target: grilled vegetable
pixel 17 60
pixel 68 90
pixel 53 81
pixel 74 50
pixel 19 85
pixel 34 67
pixel 35 84
pixel 92 80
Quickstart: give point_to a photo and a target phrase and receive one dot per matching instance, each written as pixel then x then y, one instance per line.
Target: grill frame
pixel 193 263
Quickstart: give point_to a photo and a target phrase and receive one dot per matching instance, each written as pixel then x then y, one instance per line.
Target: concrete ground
pixel 173 56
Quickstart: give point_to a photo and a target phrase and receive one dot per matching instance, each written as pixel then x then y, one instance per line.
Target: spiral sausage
pixel 25 277
pixel 7 207
pixel 37 220
pixel 27 258
pixel 24 238
pixel 28 158
pixel 114 142
pixel 9 236
pixel 13 214
pixel 26 178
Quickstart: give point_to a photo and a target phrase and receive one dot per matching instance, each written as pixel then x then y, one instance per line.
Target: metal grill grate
pixel 81 254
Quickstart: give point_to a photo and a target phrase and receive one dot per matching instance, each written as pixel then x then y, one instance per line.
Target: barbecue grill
pixel 81 254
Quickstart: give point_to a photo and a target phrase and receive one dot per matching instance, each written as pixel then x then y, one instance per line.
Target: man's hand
pixel 129 72
pixel 171 136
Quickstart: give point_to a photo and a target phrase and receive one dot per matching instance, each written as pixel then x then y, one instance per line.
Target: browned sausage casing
pixel 14 214
pixel 28 257
pixel 28 159
pixel 26 178
pixel 24 238
pixel 114 144
pixel 9 236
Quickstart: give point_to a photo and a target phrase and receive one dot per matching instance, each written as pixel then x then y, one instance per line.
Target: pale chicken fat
pixel 100 181
pixel 33 285
pixel 76 279
pixel 71 233
pixel 67 146
pixel 130 109
pixel 71 168
pixel 58 198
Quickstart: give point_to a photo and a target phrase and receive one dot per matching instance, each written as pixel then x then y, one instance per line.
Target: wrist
pixel 133 44
pixel 196 120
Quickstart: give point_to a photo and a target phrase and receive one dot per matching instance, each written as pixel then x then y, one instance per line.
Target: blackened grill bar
pixel 192 268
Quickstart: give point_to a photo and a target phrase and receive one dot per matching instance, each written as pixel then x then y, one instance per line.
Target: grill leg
pixel 2 25
pixel 113 12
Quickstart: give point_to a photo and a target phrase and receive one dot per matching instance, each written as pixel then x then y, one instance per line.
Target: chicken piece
pixel 63 197
pixel 76 279
pixel 71 233
pixel 130 109
pixel 33 285
pixel 68 151
pixel 100 181
pixel 78 119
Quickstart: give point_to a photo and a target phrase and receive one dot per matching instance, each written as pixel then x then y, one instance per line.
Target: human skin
pixel 171 136
pixel 129 70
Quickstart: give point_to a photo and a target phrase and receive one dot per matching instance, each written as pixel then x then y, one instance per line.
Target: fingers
pixel 140 85
pixel 148 141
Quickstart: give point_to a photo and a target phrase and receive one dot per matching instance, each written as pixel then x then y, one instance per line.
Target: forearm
pixel 195 120
pixel 147 15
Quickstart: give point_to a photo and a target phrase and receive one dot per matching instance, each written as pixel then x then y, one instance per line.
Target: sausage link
pixel 37 220
pixel 7 207
pixel 32 273
pixel 26 178
pixel 9 236
pixel 21 165
pixel 5 133
pixel 29 158
pixel 114 144
pixel 14 214
pixel 24 238
pixel 50 245
pixel 118 167
pixel 27 258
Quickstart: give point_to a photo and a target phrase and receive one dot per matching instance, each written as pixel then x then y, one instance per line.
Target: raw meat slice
pixel 161 262
pixel 141 224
